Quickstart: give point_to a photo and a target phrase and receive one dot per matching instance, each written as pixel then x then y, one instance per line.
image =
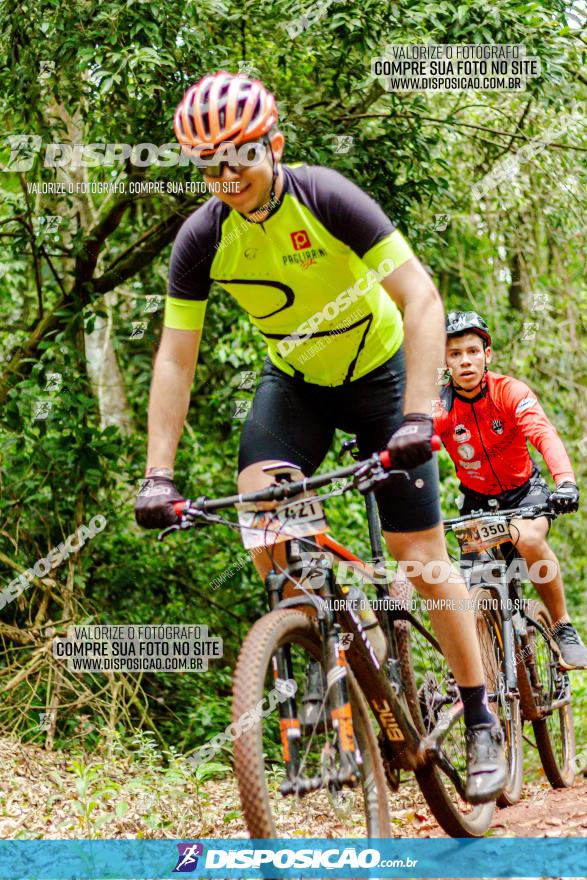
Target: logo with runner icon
pixel 187 860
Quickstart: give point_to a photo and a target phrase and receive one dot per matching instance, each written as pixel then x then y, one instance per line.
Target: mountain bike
pixel 520 656
pixel 315 670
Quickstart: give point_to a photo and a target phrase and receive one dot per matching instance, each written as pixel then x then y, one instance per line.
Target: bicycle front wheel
pixel 430 688
pixel 330 810
pixel 555 734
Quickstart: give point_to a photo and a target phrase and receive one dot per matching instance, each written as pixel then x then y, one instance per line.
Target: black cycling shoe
pixel 573 653
pixel 312 709
pixel 487 765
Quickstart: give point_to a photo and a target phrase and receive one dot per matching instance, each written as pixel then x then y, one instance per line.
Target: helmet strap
pixel 274 173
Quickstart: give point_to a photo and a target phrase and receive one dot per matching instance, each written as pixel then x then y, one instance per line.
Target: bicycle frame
pixel 381 684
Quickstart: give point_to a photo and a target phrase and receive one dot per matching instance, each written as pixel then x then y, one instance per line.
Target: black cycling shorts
pixel 293 420
pixel 533 491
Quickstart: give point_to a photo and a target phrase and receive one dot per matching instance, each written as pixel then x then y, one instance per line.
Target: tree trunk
pixel 104 372
pixel 516 289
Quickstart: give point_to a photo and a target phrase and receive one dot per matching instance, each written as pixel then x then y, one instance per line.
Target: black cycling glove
pixel 410 445
pixel 566 498
pixel 154 503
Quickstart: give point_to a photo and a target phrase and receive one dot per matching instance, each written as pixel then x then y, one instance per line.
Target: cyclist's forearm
pixel 424 344
pixel 542 434
pixel 168 408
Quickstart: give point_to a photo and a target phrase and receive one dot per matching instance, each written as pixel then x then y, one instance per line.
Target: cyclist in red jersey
pixel 485 420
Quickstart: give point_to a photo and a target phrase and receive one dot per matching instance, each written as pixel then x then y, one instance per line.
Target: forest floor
pixel 50 795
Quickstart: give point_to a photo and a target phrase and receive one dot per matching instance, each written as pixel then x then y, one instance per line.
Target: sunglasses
pixel 249 154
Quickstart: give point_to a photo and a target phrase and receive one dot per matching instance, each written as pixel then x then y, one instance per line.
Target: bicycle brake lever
pixel 367 476
pixel 174 528
pixel 182 508
pixel 374 472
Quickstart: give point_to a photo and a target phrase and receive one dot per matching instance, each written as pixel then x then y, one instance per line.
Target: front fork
pixel 338 707
pixel 499 585
pixel 508 632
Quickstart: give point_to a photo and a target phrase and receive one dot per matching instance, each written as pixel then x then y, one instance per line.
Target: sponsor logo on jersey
pixel 466 451
pixel 304 258
pixel 526 403
pixel 308 263
pixel 301 240
pixel 475 465
pixel 497 426
pixel 251 253
pixel 461 435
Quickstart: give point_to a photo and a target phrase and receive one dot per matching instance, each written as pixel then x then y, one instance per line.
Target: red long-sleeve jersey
pixel 486 436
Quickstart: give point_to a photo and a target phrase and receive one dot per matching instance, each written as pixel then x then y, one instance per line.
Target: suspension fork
pixel 289 722
pixel 335 664
pixel 500 586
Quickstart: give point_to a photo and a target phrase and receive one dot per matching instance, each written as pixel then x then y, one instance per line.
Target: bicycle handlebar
pixel 288 490
pixel 530 512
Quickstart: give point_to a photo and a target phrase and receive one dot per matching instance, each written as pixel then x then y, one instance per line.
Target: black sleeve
pixel 346 210
pixel 193 251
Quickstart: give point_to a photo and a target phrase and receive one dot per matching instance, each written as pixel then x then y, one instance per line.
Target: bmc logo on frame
pixel 301 240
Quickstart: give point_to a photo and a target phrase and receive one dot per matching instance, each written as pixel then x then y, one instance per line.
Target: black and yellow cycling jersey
pixel 308 275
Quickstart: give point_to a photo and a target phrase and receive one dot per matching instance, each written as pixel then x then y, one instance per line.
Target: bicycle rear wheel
pixel 507 710
pixel 430 688
pixel 258 757
pixel 555 734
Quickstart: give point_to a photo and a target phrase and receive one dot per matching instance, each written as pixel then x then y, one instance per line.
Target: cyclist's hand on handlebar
pixel 411 443
pixel 154 505
pixel 566 498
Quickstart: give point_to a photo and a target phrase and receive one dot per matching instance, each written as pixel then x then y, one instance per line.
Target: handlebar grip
pixel 385 459
pixel 385 456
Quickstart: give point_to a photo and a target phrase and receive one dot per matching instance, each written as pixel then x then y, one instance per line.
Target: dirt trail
pixel 40 797
pixel 542 812
pixel 545 812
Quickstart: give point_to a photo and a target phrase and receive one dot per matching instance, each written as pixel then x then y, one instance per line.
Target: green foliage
pixel 120 69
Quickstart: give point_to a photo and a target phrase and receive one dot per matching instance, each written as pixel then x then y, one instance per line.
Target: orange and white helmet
pixel 223 107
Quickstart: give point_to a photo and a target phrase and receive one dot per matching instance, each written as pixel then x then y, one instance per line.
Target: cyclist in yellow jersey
pixel 326 278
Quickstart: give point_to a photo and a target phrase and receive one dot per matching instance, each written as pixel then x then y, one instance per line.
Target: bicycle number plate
pixel 482 534
pixel 289 519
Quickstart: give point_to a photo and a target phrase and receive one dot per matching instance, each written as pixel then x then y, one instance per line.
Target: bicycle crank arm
pixel 438 756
